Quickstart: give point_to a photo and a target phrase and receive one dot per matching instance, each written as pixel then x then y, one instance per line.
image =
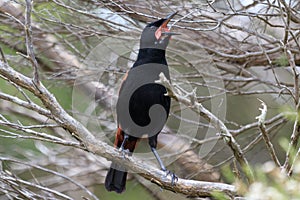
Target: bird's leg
pixel 158 159
pixel 163 168
pixel 122 149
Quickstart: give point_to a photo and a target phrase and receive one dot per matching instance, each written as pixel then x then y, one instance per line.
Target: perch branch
pixel 91 144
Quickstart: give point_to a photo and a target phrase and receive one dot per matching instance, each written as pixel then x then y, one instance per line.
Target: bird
pixel 143 106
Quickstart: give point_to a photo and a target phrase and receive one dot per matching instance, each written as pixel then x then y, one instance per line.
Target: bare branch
pixel 29 43
pixel 50 172
pixel 254 47
pixel 261 124
pixel 91 144
pixel 2 55
pixel 218 124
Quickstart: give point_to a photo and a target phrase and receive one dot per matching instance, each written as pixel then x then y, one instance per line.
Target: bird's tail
pixel 116 178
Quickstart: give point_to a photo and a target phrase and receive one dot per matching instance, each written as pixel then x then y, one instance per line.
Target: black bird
pixel 143 107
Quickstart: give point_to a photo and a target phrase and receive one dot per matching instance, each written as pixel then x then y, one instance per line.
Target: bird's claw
pixel 174 177
pixel 124 152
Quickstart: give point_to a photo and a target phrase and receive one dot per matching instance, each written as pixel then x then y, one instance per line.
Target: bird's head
pixel 157 34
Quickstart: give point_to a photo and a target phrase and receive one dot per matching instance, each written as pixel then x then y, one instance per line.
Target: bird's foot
pixel 124 152
pixel 174 177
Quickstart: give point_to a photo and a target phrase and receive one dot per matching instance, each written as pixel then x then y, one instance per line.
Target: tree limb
pixel 91 144
pixel 218 124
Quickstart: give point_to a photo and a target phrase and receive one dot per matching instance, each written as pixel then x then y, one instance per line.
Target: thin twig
pixel 29 105
pixel 29 43
pixel 17 184
pixel 296 129
pixel 261 124
pixel 50 172
pixel 3 56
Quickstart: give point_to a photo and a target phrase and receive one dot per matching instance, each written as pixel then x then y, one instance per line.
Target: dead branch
pixel 190 101
pixel 261 124
pixel 91 144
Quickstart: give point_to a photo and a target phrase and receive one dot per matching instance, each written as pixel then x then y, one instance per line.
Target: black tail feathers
pixel 116 178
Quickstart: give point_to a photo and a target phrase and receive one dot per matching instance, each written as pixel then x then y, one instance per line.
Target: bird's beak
pixel 168 19
pixel 163 29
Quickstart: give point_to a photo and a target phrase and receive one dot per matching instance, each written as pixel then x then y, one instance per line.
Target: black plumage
pixel 138 95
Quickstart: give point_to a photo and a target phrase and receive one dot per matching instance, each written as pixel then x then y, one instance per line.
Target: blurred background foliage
pixel 233 52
